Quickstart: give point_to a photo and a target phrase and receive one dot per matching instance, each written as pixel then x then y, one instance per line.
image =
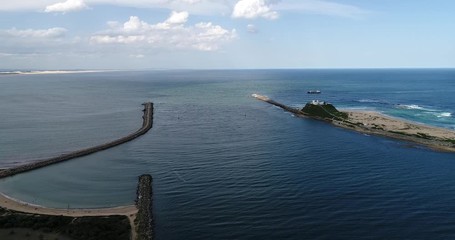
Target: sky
pixel 226 34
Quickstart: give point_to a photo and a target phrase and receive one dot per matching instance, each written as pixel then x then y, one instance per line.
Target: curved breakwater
pixel 146 126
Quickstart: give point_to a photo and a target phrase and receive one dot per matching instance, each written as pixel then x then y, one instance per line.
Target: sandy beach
pixel 377 120
pixel 12 204
pixel 379 124
pixel 54 72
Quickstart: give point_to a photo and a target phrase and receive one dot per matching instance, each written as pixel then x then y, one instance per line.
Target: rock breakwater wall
pixel 146 126
pixel 144 202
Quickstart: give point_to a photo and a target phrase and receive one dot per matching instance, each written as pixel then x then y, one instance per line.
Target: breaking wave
pixel 368 101
pixel 372 101
pixel 444 114
pixel 411 107
pixel 425 112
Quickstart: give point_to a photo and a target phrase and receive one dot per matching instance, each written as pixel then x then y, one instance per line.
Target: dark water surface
pixel 226 166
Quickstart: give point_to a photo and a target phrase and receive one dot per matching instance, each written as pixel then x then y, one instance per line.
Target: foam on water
pixel 424 114
pixel 445 114
pixel 413 107
pixel 372 101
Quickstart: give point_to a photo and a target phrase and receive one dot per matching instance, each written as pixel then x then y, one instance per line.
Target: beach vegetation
pixel 399 132
pixel 423 135
pixel 326 111
pixel 76 228
pixel 417 135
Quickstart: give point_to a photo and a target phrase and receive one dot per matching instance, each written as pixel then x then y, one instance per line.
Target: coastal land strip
pixel 40 72
pixel 139 216
pixel 15 209
pixel 20 226
pixel 146 126
pixel 375 123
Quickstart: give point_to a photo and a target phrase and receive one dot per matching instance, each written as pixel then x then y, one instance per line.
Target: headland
pixel 374 123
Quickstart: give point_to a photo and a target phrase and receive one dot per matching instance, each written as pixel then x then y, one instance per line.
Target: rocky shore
pixel 146 126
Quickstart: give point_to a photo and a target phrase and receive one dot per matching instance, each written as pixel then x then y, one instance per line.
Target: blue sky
pixel 201 34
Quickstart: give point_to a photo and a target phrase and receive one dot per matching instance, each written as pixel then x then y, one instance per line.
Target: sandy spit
pixel 379 124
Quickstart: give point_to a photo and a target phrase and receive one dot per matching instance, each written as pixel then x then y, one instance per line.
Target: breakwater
pixel 268 100
pixel 144 201
pixel 146 126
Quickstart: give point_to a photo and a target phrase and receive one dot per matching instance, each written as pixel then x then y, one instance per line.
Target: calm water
pixel 226 166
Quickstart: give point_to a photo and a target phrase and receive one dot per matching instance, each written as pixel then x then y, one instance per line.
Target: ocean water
pixel 227 166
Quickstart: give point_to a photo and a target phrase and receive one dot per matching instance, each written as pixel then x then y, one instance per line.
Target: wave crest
pixel 444 114
pixel 411 107
pixel 368 101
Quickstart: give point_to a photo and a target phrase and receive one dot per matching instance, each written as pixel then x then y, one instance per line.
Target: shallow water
pixel 227 166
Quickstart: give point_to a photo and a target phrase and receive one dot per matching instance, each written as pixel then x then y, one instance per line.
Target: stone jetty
pixel 146 126
pixel 268 100
pixel 144 202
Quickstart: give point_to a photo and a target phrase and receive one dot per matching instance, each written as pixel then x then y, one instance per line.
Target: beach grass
pixel 76 228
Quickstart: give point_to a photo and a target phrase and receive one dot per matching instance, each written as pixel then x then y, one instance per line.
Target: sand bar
pixel 376 123
pixel 375 119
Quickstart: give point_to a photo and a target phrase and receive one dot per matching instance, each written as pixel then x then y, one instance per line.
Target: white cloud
pixel 191 1
pixel 171 33
pixel 254 9
pixel 31 34
pixel 242 8
pixel 208 7
pixel 21 42
pixel 323 7
pixel 134 24
pixel 178 18
pixel 68 6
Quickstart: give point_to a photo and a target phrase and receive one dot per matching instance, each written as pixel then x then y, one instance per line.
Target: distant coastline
pixel 37 72
pixel 375 123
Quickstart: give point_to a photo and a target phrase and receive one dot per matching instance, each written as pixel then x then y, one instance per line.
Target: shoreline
pixel 379 124
pixel 129 211
pixel 392 117
pixel 40 72
pixel 22 206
